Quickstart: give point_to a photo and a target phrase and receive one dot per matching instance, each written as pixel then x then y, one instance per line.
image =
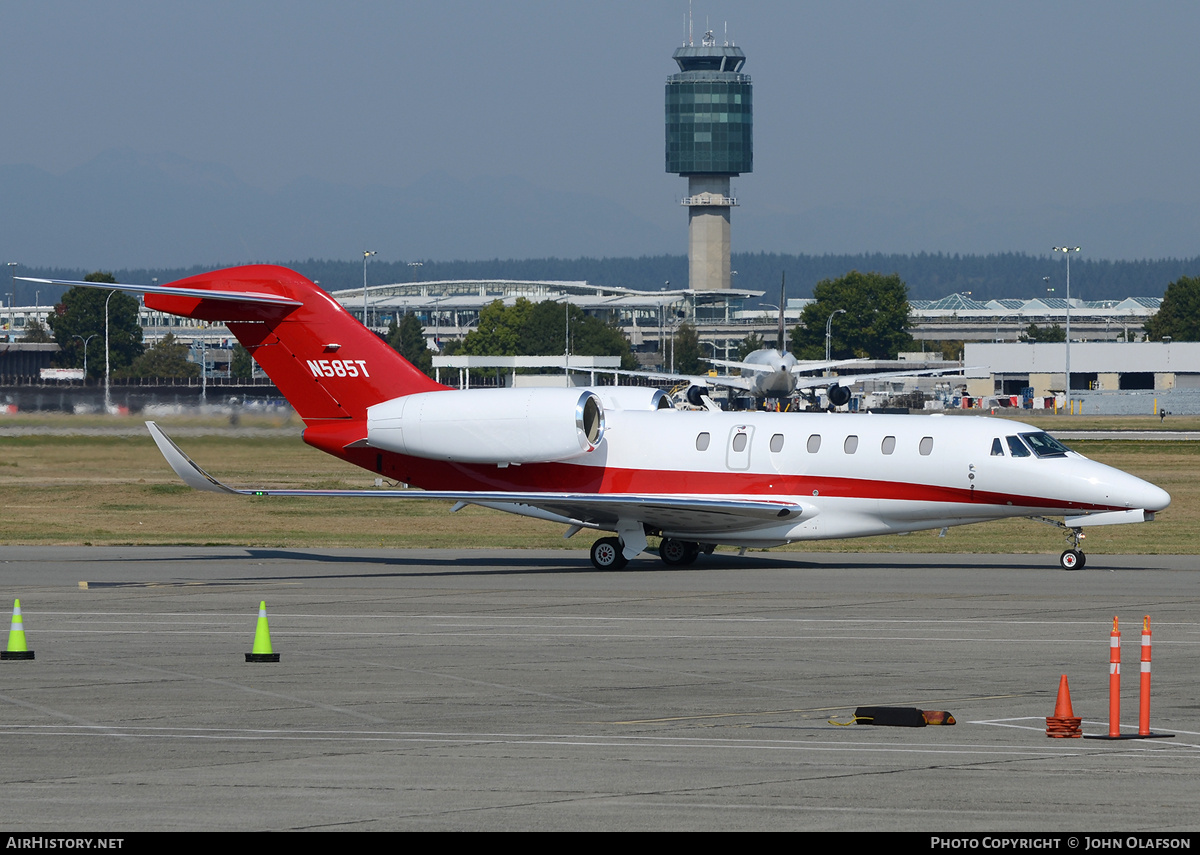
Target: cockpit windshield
pixel 1044 445
pixel 1015 447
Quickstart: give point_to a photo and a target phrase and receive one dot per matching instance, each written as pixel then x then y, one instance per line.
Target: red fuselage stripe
pixel 570 478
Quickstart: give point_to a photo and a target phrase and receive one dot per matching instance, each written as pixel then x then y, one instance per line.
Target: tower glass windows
pixel 709 125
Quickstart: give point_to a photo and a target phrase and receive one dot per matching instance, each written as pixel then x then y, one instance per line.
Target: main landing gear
pixel 608 553
pixel 678 553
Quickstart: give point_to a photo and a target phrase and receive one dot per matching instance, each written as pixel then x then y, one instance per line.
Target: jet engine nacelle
pixel 838 396
pixel 489 425
pixel 633 398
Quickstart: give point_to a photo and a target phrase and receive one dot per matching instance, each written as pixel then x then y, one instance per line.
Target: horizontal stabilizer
pixel 230 305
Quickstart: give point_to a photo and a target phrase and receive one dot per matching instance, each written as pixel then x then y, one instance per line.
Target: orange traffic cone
pixel 1063 724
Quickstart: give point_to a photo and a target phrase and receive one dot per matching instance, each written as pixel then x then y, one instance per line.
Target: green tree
pixel 168 360
pixel 241 366
pixel 81 313
pixel 35 333
pixel 875 324
pixel 1034 333
pixel 686 347
pixel 1179 314
pixel 749 344
pixel 541 329
pixel 498 332
pixel 408 339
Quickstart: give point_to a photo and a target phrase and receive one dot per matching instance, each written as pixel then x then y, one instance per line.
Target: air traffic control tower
pixel 710 135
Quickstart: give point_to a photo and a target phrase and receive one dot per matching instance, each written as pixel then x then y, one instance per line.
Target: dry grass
pixel 118 490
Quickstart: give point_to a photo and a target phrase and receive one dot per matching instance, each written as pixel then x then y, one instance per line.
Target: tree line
pixel 929 276
pixel 865 315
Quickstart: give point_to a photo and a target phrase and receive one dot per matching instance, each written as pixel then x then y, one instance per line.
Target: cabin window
pixel 997 448
pixel 777 443
pixel 702 442
pixel 888 445
pixel 1016 447
pixel 739 442
pixel 814 443
pixel 926 446
pixel 850 445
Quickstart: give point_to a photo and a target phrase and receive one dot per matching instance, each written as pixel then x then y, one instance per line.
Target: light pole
pixel 1068 250
pixel 829 333
pixel 85 341
pixel 366 254
pixel 107 393
pixel 999 321
pixel 12 300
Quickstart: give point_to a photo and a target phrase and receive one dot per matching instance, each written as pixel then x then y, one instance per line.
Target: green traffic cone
pixel 16 637
pixel 262 639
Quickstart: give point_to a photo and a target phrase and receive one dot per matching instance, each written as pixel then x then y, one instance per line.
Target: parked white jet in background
pixel 620 459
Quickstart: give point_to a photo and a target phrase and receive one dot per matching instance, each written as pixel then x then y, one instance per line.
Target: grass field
pixel 103 490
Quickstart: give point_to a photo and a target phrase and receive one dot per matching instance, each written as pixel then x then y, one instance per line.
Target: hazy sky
pixel 980 105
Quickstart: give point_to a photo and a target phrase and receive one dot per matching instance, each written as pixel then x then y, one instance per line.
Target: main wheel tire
pixel 678 553
pixel 1072 559
pixel 607 554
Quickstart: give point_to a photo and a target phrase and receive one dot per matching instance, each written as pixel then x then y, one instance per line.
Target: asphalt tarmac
pixel 524 690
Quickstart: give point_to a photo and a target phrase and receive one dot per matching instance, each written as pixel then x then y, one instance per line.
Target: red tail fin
pixel 327 364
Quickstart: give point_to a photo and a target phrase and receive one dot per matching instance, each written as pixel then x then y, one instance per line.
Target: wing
pixel 852 379
pixel 799 368
pixel 744 383
pixel 695 514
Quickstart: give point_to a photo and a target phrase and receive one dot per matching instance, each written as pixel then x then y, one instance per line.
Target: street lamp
pixel 12 300
pixel 829 334
pixel 366 254
pixel 107 393
pixel 85 341
pixel 1068 250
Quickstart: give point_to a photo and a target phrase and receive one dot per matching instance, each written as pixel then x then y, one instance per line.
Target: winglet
pixel 184 467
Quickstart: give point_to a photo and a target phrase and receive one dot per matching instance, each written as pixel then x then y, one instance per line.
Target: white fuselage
pixel 857 474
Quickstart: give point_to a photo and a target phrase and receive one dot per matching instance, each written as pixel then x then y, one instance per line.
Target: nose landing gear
pixel 1072 557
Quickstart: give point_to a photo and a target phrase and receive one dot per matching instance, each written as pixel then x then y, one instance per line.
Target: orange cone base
pixel 1131 736
pixel 262 657
pixel 16 654
pixel 1063 727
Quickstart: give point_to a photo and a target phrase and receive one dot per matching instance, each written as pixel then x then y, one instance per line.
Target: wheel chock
pixel 898 717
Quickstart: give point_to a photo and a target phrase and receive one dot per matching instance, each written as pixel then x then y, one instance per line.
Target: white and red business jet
pixel 621 460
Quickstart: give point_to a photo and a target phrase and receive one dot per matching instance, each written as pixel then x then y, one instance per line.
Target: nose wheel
pixel 1072 559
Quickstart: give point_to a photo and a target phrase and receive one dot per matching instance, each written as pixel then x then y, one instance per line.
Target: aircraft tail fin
pixel 326 363
pixel 782 304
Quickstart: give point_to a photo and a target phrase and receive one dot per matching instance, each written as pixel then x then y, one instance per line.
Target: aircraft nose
pixel 1152 498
